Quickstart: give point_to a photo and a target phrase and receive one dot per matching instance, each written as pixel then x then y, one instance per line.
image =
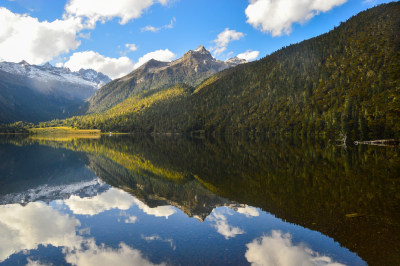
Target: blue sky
pixel 98 34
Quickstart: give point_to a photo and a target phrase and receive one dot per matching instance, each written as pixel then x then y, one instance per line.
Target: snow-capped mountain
pixel 50 74
pixel 97 77
pixel 38 93
pixel 235 61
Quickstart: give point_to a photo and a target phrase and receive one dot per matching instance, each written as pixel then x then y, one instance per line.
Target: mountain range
pixel 37 93
pixel 34 93
pixel 192 68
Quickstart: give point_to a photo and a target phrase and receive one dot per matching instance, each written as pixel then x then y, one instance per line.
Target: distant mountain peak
pixel 200 53
pixel 201 48
pixel 236 60
pixel 47 66
pixel 153 63
pixel 24 63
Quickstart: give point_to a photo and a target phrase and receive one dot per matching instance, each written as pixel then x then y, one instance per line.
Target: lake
pixel 135 200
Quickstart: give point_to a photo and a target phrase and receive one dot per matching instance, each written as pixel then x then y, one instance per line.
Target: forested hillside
pixel 346 80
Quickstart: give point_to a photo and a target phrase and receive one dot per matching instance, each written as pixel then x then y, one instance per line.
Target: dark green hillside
pixel 19 102
pixel 346 80
pixel 121 117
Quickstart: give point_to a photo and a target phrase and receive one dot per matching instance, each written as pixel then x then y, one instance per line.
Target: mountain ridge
pixel 192 68
pixel 37 93
pixel 47 73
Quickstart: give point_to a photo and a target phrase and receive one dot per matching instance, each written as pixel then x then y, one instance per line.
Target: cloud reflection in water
pixel 113 199
pixel 24 228
pixel 27 227
pixel 279 250
pixel 218 216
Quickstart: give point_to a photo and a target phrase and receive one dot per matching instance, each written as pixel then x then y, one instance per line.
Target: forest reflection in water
pixel 351 195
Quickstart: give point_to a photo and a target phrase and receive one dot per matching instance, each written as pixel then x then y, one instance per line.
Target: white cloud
pixel 111 199
pixel 157 29
pixel 160 55
pixel 113 67
pixel 160 211
pixel 26 38
pixel 370 2
pixel 159 238
pixel 249 55
pixel 224 38
pixel 279 250
pixel 131 220
pixel 36 263
pixel 150 28
pixel 277 16
pixel 84 35
pixel 131 46
pixel 27 227
pixel 222 226
pixel 248 211
pixel 103 10
pixel 101 255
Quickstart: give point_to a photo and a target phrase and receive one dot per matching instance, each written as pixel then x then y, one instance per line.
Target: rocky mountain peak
pixel 200 53
pixel 24 63
pixel 153 63
pixel 201 49
pixel 92 75
pixel 47 66
pixel 236 60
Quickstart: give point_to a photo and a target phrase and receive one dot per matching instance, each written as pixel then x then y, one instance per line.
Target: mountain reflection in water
pixel 141 200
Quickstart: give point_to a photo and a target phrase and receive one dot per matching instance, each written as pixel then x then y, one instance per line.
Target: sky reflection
pixel 77 227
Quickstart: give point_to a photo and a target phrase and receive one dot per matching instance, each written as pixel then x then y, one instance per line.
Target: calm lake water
pixel 122 200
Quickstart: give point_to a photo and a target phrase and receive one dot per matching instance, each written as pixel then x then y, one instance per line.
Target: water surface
pixel 173 201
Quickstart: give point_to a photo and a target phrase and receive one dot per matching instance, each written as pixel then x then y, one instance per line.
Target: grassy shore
pixel 62 130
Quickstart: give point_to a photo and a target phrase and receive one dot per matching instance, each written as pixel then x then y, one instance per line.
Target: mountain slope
pixel 38 93
pixel 192 68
